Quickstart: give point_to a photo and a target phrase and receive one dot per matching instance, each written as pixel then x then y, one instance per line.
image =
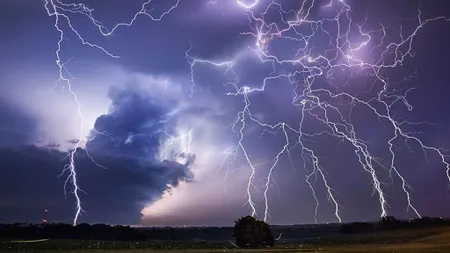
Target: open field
pixel 430 240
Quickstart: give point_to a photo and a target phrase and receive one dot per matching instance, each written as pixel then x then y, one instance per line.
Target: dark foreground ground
pixel 424 240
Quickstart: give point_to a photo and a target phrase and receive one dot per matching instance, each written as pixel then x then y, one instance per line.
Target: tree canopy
pixel 252 233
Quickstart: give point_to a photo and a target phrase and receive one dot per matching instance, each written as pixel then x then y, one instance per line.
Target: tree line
pixel 247 232
pixel 391 223
pixel 106 232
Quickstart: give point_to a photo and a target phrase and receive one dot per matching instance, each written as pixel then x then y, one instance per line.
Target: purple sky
pixel 293 111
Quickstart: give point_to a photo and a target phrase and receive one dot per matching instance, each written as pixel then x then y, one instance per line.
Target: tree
pixel 251 233
pixel 388 223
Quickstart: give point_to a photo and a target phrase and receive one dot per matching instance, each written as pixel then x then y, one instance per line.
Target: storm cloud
pixel 165 130
pixel 133 124
pixel 17 127
pixel 130 176
pixel 31 181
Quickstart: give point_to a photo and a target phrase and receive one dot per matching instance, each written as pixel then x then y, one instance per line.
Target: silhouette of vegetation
pixel 357 227
pixel 388 223
pixel 427 240
pixel 105 232
pixel 247 231
pixel 391 223
pixel 252 233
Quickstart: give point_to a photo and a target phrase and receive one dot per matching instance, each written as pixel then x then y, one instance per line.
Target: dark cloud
pixel 31 181
pixel 73 141
pixel 133 124
pixel 16 126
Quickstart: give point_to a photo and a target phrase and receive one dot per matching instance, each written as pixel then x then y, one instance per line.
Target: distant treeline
pixel 124 233
pixel 391 223
pixel 110 233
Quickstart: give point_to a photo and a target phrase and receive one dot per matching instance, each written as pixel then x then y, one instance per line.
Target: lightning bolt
pixel 307 64
pixel 176 147
pixel 60 12
pixel 342 53
pixel 248 5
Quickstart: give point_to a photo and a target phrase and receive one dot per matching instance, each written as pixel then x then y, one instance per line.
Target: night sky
pixel 333 110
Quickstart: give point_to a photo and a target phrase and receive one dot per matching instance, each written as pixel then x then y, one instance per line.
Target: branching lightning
pixel 60 12
pixel 248 5
pixel 181 143
pixel 341 53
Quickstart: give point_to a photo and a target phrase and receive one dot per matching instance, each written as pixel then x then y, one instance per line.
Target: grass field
pixel 435 240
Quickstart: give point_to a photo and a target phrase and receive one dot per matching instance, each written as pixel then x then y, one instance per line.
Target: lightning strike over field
pixel 61 12
pixel 311 69
pixel 342 53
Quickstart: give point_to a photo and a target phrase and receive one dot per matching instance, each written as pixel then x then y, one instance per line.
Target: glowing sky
pixel 196 112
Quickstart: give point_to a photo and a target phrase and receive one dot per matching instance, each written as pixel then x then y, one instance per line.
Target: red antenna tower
pixel 45 216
